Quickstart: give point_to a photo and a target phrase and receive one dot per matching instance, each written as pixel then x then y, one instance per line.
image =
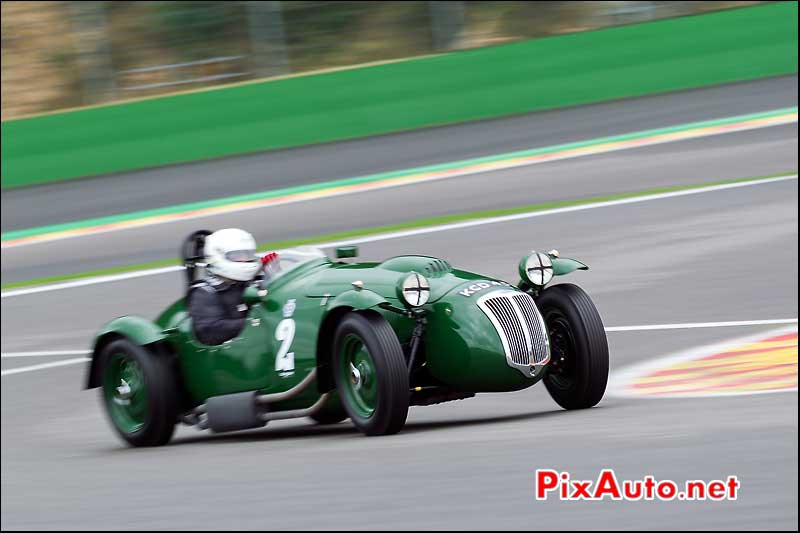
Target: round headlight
pixel 415 290
pixel 537 269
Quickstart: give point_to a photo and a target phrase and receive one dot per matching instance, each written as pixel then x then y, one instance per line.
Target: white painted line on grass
pixel 44 366
pixel 421 231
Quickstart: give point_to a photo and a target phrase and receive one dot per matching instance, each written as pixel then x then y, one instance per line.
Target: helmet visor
pixel 241 256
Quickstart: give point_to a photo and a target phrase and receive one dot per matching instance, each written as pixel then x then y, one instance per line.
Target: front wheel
pixel 578 371
pixel 138 393
pixel 370 373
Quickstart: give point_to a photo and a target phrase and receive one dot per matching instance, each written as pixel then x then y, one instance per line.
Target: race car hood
pixel 383 278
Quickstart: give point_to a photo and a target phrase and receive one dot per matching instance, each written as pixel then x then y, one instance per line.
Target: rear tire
pixel 370 373
pixel 138 392
pixel 578 371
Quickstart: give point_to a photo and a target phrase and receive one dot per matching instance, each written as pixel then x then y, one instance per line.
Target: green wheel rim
pixel 125 392
pixel 357 372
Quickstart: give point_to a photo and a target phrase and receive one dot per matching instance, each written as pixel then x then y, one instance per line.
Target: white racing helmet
pixel 231 253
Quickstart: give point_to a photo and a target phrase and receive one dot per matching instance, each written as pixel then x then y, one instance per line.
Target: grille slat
pixel 519 349
pixel 520 326
pixel 512 327
pixel 536 327
pixel 497 309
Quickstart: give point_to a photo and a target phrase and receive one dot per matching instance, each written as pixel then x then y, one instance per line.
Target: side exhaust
pixel 248 410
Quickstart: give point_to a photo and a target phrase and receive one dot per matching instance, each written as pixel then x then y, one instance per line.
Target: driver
pixel 216 302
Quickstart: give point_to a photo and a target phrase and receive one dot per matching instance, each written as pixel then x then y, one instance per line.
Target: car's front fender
pixel 336 308
pixel 565 265
pixel 137 329
pixel 356 299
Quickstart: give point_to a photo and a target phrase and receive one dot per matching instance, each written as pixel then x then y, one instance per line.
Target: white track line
pixel 44 366
pixel 56 353
pixel 90 281
pixel 608 329
pixel 656 327
pixel 417 231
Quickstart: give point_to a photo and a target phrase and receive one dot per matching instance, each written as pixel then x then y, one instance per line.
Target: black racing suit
pixel 217 309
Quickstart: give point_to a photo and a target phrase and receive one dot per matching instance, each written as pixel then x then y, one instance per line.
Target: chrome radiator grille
pixel 520 326
pixel 536 327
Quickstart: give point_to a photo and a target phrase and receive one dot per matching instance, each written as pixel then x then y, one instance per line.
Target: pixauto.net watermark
pixel 559 485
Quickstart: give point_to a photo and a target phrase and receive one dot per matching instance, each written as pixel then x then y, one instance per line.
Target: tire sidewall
pixel 363 327
pixel 159 423
pixel 590 359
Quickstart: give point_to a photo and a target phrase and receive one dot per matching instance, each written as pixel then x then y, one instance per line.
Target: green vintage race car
pixel 333 340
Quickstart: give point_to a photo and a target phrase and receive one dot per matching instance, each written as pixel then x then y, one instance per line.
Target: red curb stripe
pixel 712 375
pixel 711 369
pixel 755 351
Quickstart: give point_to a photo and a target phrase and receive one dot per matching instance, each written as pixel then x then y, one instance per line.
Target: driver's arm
pixel 208 317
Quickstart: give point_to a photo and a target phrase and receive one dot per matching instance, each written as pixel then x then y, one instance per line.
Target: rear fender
pixel 137 329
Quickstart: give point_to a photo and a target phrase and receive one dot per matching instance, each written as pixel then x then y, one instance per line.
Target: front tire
pixel 578 371
pixel 138 393
pixel 370 373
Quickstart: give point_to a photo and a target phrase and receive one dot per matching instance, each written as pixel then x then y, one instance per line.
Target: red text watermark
pixel 553 484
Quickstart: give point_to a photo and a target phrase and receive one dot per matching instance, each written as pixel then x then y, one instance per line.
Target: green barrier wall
pixel 521 77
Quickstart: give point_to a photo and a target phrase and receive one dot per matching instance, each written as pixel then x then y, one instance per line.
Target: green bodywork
pixel 565 265
pixel 290 329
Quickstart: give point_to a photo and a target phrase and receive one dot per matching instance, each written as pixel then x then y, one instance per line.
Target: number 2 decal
pixel 284 361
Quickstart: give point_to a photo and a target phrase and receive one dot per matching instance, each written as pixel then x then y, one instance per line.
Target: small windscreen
pixel 241 256
pixel 290 259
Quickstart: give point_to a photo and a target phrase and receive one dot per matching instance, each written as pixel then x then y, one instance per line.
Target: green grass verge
pixel 412 224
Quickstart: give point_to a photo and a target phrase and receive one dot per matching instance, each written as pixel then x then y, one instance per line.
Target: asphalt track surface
pixel 126 192
pixel 715 256
pixel 733 155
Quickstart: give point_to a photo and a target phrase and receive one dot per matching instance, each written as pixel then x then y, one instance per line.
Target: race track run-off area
pixel 698 293
pixel 757 365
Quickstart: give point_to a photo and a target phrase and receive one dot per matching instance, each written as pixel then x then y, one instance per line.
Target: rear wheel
pixel 578 370
pixel 138 393
pixel 370 373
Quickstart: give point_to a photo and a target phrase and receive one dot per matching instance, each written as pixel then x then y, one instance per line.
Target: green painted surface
pixel 521 77
pixel 138 329
pixel 274 352
pixel 565 265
